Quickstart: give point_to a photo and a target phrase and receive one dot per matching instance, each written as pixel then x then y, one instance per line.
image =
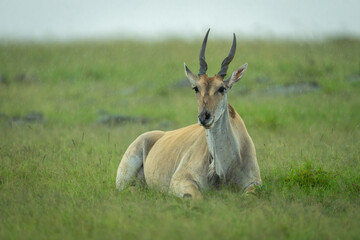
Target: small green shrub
pixel 309 176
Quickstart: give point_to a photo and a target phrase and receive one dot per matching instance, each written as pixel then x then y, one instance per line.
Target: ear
pixel 192 78
pixel 235 76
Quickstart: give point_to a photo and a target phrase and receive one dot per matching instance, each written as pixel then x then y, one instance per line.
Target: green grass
pixel 57 178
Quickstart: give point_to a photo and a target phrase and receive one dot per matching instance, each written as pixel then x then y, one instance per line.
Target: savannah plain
pixel 68 111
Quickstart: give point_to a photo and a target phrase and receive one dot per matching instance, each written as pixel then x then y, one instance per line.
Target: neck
pixel 222 144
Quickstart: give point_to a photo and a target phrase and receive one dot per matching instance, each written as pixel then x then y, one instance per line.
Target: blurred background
pixel 43 20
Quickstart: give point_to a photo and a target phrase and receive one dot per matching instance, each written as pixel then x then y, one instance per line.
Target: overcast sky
pixel 72 19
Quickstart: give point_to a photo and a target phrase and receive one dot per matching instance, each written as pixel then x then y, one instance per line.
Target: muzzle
pixel 205 118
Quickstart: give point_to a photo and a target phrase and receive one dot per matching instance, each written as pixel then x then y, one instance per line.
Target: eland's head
pixel 211 91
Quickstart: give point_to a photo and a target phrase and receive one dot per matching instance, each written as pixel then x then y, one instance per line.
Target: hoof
pixel 187 195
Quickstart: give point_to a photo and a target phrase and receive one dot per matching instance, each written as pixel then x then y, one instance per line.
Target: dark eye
pixel 221 90
pixel 196 89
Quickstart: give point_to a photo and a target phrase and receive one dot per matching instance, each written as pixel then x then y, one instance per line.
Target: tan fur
pixel 188 160
pixel 208 97
pixel 179 161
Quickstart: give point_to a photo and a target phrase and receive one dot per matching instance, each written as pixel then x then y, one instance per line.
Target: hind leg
pixel 131 165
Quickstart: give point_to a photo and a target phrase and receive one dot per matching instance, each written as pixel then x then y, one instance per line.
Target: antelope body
pixel 188 160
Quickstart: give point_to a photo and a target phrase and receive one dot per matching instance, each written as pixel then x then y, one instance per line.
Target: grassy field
pixel 58 157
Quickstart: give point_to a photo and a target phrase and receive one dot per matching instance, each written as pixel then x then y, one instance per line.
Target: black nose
pixel 204 117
